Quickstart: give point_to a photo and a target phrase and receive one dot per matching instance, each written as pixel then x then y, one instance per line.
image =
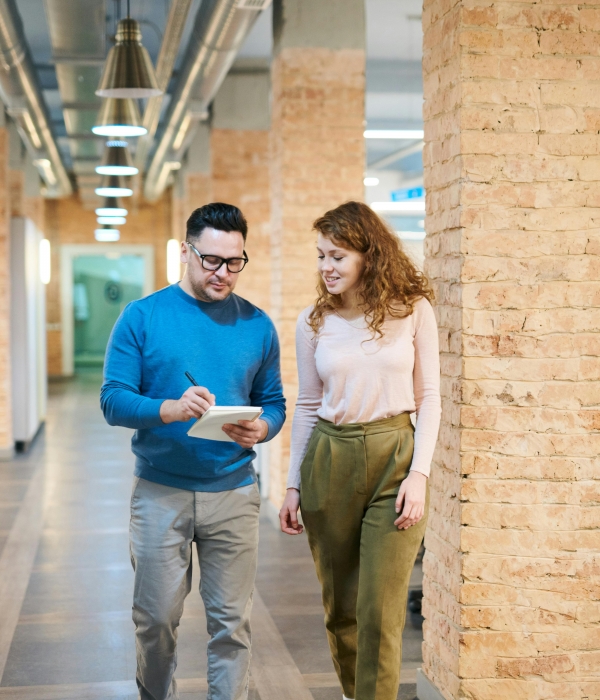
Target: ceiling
pixel 69 40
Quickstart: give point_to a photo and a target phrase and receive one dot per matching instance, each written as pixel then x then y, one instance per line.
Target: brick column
pixel 240 167
pixel 512 173
pixel 317 161
pixel 6 436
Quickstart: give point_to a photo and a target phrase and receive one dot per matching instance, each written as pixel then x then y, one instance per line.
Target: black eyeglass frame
pixel 225 261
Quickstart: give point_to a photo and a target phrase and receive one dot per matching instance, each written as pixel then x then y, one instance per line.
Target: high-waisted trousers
pixel 350 479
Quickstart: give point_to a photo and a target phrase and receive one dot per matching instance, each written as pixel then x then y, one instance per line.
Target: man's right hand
pixel 194 403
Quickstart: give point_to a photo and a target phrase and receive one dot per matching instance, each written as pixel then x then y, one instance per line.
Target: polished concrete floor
pixel 66 579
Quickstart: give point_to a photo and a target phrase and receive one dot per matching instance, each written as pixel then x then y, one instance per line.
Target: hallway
pixel 66 579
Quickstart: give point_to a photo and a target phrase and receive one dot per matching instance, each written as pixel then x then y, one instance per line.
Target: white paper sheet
pixel 209 426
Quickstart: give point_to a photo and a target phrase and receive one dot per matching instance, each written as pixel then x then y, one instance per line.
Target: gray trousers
pixel 164 523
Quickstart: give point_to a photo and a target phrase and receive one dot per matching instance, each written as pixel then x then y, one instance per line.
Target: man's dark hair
pixel 222 217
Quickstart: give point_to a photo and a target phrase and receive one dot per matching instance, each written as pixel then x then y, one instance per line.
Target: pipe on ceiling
pixel 178 13
pixel 219 31
pixel 22 96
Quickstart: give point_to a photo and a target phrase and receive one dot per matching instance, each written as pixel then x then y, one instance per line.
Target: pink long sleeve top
pixel 346 376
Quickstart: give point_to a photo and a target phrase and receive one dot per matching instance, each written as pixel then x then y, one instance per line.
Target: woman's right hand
pixel 288 515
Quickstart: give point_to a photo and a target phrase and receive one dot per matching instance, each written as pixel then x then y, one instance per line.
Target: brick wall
pixel 240 176
pixel 6 440
pixel 512 172
pixel 317 162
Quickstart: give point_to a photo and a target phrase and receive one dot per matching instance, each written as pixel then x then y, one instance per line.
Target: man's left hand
pixel 247 432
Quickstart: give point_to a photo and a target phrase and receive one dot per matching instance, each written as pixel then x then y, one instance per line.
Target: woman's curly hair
pixel 390 283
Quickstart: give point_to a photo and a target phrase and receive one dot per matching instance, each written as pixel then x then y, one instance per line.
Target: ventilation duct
pixel 21 94
pixel 219 31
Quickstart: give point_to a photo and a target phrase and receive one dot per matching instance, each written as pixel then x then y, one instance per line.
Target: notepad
pixel 208 427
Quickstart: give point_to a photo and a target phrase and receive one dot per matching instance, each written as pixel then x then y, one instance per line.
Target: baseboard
pixel 425 688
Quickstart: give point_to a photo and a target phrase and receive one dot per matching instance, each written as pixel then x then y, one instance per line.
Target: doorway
pixel 97 282
pixel 103 285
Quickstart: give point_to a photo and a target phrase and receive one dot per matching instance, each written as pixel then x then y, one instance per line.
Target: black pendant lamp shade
pixel 119 118
pixel 128 71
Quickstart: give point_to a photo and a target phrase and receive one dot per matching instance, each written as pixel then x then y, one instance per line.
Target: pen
pixel 189 376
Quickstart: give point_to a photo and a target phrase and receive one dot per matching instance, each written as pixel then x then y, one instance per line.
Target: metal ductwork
pixel 22 96
pixel 178 13
pixel 219 31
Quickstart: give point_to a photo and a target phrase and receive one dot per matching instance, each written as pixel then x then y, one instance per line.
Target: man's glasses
pixel 214 262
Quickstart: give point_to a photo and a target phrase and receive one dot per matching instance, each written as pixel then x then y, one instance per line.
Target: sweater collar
pixel 206 306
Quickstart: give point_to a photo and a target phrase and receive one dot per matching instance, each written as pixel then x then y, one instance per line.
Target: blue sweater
pixel 230 347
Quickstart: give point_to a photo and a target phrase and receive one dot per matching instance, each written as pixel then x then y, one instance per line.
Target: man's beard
pixel 203 293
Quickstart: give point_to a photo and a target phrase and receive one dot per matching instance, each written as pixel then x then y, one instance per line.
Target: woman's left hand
pixel 412 495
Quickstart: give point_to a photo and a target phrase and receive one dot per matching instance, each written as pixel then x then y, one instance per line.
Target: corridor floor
pixel 66 579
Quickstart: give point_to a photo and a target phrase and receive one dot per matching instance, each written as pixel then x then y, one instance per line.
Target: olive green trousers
pixel 350 478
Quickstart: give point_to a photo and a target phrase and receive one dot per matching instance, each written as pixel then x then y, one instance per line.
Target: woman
pixel 367 358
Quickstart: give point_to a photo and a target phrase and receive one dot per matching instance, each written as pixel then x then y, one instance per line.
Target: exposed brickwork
pixel 16 180
pixel 317 162
pixel 512 171
pixel 6 439
pixel 240 176
pixel 21 205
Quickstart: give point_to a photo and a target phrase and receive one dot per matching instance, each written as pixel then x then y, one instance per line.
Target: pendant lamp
pixel 128 71
pixel 111 220
pixel 117 160
pixel 113 186
pixel 119 118
pixel 106 234
pixel 111 208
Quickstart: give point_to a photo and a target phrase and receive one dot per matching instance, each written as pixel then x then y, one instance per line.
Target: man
pixel 188 489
